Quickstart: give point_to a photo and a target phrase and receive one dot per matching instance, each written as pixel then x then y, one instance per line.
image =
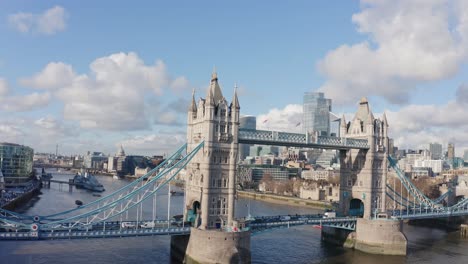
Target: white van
pixel 148 225
pixel 127 225
pixel 329 215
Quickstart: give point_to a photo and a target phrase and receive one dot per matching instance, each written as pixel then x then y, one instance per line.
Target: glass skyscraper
pixel 16 162
pixel 316 113
pixel 249 122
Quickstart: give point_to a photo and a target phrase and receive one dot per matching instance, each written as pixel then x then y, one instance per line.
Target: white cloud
pixel 54 75
pixel 49 22
pixel 154 143
pixel 4 89
pixel 410 42
pixel 284 119
pixel 21 103
pixel 113 95
pixel 10 133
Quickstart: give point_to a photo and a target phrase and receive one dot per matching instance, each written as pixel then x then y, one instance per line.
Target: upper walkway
pixel 276 138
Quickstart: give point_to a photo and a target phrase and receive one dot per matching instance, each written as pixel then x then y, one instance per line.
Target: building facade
pixel 210 179
pixel 451 151
pixel 316 113
pixel 247 122
pixel 436 150
pixel 16 162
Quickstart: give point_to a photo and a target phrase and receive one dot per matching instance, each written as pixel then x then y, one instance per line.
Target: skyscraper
pixel 451 151
pixel 249 122
pixel 436 150
pixel 316 109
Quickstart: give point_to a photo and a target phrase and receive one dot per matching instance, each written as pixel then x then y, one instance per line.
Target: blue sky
pixel 409 59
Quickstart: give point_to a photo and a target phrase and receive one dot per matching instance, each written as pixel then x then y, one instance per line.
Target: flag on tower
pixel 264 121
pixel 298 124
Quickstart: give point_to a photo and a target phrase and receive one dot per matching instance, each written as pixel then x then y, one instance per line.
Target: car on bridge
pixel 149 224
pixel 128 225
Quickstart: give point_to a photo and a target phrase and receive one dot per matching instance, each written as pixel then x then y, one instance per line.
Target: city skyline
pixel 63 81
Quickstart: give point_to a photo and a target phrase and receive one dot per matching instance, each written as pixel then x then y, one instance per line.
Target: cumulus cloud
pixel 409 43
pixel 21 103
pixel 154 143
pixel 415 126
pixel 10 133
pixel 49 22
pixel 113 96
pixel 40 133
pixel 54 75
pixel 284 119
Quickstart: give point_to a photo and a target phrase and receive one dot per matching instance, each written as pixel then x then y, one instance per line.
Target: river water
pixel 294 245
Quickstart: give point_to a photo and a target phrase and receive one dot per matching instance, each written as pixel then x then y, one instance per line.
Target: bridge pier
pixel 382 237
pixel 211 246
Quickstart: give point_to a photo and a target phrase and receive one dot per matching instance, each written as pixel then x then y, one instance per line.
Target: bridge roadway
pixel 133 228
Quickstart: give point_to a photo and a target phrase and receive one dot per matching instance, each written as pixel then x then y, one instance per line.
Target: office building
pixel 436 151
pixel 16 162
pixel 316 113
pixel 451 151
pixel 246 122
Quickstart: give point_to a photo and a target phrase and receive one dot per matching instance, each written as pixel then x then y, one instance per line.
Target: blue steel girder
pixel 276 138
pixel 348 223
pixel 125 203
pixel 167 163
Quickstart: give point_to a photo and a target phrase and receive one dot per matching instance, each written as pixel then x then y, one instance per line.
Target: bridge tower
pixel 210 181
pixel 363 173
pixel 363 176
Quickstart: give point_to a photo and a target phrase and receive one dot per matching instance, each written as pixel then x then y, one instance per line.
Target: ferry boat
pixel 88 181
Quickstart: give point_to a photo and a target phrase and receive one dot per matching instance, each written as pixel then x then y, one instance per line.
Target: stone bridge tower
pixel 363 173
pixel 210 182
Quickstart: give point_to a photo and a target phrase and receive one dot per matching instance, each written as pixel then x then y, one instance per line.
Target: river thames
pixel 294 245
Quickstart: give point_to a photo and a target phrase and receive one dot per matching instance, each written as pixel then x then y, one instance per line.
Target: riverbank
pixel 276 199
pixel 20 200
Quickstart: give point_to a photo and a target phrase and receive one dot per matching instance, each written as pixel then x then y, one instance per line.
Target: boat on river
pixel 87 181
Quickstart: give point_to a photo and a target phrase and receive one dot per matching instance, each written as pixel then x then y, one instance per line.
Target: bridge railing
pixel 298 138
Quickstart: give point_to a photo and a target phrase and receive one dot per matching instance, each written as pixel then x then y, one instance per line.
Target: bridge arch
pixel 356 207
pixel 193 215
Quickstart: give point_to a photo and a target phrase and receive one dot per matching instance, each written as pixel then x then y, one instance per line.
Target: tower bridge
pixel 371 208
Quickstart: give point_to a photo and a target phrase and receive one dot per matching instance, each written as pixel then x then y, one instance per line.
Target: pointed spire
pixel 214 89
pixel 235 100
pixel 214 75
pixel 343 121
pixel 121 151
pixel 193 105
pixel 384 119
pixel 370 118
pixel 209 97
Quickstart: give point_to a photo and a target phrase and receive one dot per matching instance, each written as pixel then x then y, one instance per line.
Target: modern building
pixel 436 151
pixel 451 151
pixel 435 165
pixel 327 158
pixel 316 113
pixel 94 160
pixel 465 155
pixel 16 162
pixel 258 151
pixel 247 122
pixel 257 172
